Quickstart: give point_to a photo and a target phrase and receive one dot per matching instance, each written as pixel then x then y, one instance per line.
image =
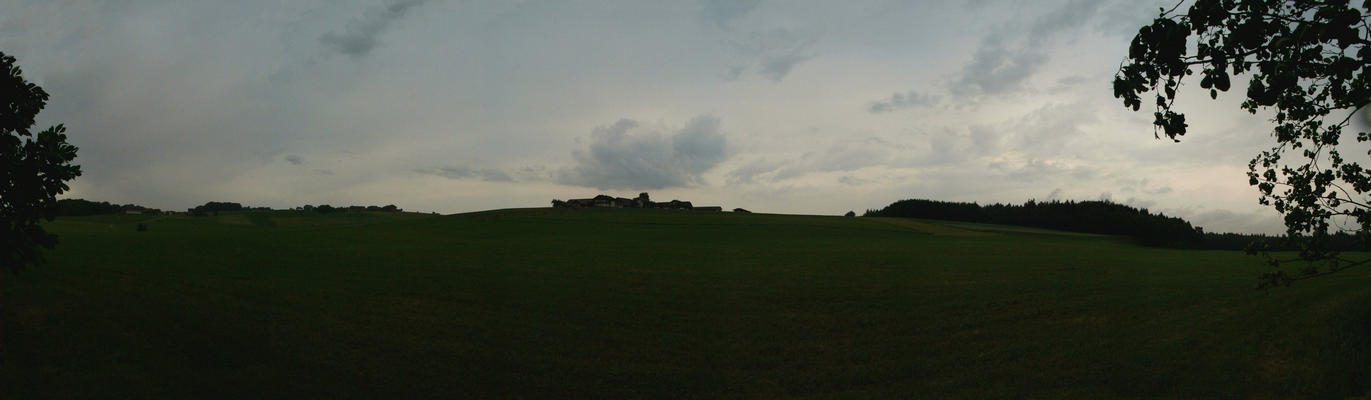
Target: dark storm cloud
pixel 899 101
pixel 626 156
pixel 359 36
pixel 484 174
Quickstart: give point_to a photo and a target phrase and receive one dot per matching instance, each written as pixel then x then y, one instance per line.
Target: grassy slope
pixel 645 303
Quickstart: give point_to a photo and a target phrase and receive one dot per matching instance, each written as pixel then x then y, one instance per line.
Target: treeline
pixel 214 207
pixel 82 207
pixel 325 209
pixel 1100 217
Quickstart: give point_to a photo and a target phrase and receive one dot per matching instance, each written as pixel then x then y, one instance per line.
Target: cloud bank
pixel 626 155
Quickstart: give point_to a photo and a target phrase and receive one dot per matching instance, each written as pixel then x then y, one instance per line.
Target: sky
pixel 803 107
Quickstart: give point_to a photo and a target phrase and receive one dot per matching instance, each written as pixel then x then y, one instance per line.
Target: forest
pixel 1098 217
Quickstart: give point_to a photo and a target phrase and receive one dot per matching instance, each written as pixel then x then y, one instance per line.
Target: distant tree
pixel 214 207
pixel 558 203
pixel 81 207
pixel 324 209
pixel 850 214
pixel 1310 65
pixel 34 169
pixel 390 208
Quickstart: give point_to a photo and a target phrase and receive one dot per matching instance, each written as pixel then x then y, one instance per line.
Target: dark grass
pixel 545 303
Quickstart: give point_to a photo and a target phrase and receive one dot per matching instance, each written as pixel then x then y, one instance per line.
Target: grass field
pixel 556 303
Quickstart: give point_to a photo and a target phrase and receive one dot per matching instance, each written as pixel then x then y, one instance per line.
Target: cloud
pixel 1036 170
pixel 852 180
pixel 899 101
pixel 779 51
pixel 484 174
pixel 486 94
pixel 723 12
pixel 359 36
pixel 733 73
pixel 997 68
pixel 1006 59
pixel 841 156
pixel 772 53
pixel 626 155
pixel 749 172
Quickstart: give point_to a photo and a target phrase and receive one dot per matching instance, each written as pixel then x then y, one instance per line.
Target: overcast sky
pixel 774 106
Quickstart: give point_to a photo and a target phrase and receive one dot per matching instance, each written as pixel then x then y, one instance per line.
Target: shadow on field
pixel 1347 355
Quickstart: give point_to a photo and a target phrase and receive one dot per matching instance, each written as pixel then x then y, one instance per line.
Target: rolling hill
pixel 557 303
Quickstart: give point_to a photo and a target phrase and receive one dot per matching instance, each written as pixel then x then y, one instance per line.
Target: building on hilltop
pixel 676 205
pixel 642 201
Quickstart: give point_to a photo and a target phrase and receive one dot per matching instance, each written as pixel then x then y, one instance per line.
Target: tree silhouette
pixel 1308 61
pixel 34 169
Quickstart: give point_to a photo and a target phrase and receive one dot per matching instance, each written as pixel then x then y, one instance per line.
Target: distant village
pixel 642 201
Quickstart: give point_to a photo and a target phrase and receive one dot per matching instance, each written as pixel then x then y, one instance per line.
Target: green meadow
pixel 566 303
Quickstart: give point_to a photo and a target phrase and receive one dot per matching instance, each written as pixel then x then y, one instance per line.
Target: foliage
pixel 34 169
pixel 1308 61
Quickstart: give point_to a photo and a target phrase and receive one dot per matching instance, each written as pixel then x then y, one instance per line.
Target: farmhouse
pixel 642 201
